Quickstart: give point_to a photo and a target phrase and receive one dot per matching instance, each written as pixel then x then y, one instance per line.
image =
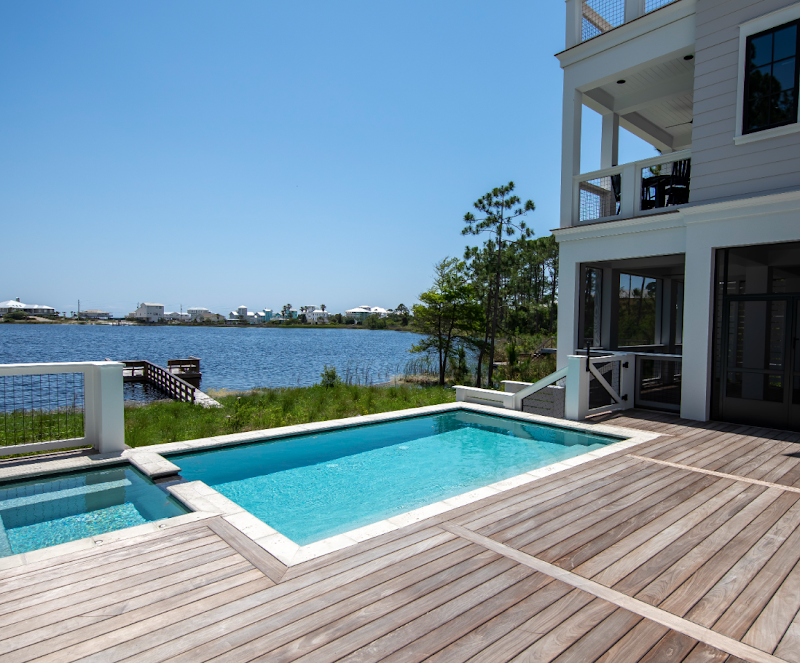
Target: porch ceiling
pixel 655 102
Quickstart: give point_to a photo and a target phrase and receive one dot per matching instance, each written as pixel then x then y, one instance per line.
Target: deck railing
pixel 60 406
pixel 634 189
pixel 170 384
pixel 587 19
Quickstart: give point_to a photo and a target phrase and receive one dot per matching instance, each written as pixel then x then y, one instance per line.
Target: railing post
pixel 633 9
pixel 628 198
pixel 627 380
pixel 105 414
pixel 574 22
pixel 576 402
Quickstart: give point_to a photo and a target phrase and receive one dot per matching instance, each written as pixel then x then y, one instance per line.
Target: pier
pixel 180 380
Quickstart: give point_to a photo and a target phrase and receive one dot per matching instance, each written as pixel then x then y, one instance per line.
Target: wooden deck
pixel 685 548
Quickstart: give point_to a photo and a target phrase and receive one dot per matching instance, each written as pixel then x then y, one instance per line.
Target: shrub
pixel 329 377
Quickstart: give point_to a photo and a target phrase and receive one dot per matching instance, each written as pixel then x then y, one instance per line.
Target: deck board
pixel 716 551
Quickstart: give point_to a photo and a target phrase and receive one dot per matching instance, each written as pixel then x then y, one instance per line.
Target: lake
pixel 231 357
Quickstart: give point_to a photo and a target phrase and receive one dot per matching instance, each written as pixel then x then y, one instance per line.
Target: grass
pixel 158 423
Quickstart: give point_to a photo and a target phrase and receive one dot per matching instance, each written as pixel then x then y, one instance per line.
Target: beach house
pixel 149 312
pixel 689 259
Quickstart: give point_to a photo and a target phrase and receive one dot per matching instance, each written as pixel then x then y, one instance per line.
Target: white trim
pixel 754 26
pixel 775 132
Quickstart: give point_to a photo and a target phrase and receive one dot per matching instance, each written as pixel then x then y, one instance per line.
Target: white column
pixel 574 22
pixel 576 400
pixel 568 304
pixel 609 149
pixel 570 149
pixel 105 414
pixel 698 301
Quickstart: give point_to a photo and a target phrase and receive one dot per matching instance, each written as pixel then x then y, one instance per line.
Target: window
pixel 637 310
pixel 771 78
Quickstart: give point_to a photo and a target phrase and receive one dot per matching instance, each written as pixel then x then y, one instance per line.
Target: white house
pixel 360 313
pixel 198 312
pixel 95 314
pixel 149 312
pixel 689 259
pixel 314 314
pixel 12 305
pixel 177 316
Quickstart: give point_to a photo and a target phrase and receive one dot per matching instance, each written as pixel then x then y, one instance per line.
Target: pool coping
pixel 205 502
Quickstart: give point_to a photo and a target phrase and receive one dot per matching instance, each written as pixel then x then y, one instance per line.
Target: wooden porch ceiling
pixel 685 548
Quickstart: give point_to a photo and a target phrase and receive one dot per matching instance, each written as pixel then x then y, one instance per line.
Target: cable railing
pixel 596 17
pixel 61 406
pixel 633 189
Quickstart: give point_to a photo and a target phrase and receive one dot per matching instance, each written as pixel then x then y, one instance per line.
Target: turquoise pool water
pixel 311 487
pixel 46 511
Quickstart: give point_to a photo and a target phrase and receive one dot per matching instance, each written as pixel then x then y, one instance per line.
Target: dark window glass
pixel 764 269
pixel 592 307
pixel 755 386
pixel 771 81
pixel 637 310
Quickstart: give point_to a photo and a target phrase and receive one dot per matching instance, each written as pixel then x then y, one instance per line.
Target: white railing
pixel 612 376
pixel 34 405
pixel 589 18
pixel 633 189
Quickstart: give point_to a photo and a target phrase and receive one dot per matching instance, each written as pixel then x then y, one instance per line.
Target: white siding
pixel 721 169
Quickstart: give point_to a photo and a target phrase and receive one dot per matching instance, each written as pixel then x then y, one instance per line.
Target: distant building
pixel 95 314
pixel 197 312
pixel 149 312
pixel 177 316
pixel 241 314
pixel 31 309
pixel 361 313
pixel 314 314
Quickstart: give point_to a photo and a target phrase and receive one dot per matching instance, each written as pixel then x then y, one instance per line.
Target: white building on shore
pixel 361 313
pixel 149 312
pixel 13 305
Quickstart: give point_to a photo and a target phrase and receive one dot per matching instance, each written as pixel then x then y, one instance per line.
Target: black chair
pixel 677 189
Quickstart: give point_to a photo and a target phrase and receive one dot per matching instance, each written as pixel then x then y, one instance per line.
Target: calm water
pixel 314 486
pixel 231 357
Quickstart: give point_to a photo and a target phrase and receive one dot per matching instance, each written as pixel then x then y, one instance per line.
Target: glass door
pixel 757 370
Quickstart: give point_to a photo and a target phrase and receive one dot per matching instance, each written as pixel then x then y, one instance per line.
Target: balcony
pixel 591 18
pixel 634 189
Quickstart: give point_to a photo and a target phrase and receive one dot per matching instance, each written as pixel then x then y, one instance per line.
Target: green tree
pixel 499 210
pixel 445 312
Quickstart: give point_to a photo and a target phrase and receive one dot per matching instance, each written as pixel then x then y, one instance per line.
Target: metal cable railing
pixel 41 408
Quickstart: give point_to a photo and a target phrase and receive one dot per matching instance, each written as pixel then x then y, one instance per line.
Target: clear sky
pixel 221 153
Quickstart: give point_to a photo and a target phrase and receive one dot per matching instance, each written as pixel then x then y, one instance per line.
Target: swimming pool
pixel 315 486
pixel 47 511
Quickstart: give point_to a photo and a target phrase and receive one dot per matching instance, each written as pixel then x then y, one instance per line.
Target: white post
pixel 576 401
pixel 574 22
pixel 609 149
pixel 627 207
pixel 570 150
pixel 105 414
pixel 627 380
pixel 633 9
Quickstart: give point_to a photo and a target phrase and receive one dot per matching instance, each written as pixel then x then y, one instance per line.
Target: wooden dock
pixel 180 380
pixel 682 549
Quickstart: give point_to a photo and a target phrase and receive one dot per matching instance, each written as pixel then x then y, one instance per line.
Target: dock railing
pixel 174 386
pixel 60 406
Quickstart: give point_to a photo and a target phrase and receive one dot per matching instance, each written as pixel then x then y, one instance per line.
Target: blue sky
pixel 215 154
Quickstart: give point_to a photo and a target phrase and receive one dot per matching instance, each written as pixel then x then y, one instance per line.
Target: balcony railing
pixel 632 189
pixel 595 17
